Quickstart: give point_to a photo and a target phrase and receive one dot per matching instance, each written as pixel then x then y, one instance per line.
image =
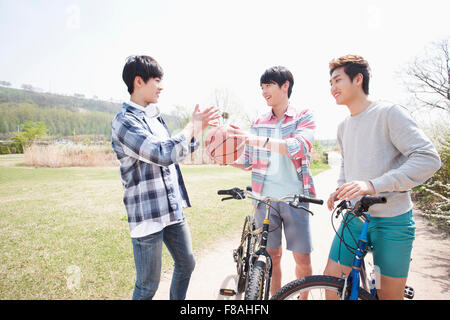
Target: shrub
pixel 433 197
pixel 4 150
pixel 69 155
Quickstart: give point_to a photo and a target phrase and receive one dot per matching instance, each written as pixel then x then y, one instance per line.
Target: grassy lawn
pixel 64 234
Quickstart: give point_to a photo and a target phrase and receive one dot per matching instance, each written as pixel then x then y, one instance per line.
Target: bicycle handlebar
pixel 365 202
pixel 370 200
pixel 312 200
pixel 361 206
pixel 293 200
pixel 235 193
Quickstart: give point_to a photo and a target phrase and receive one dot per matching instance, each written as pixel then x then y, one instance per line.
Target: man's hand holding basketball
pixel 276 145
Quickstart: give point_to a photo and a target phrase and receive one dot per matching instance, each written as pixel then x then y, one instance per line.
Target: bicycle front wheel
pixel 256 281
pixel 318 288
pixel 243 253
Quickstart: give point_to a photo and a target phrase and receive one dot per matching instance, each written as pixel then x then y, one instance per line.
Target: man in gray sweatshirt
pixel 384 153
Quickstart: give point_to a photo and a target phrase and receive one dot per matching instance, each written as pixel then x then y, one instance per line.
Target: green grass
pixel 55 221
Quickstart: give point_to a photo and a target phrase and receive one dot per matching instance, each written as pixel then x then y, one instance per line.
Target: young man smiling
pixel 384 153
pixel 155 194
pixel 278 153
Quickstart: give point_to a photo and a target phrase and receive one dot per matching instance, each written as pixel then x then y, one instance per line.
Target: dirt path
pixel 429 273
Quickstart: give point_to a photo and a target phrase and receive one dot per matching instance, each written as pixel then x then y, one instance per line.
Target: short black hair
pixel 278 75
pixel 143 66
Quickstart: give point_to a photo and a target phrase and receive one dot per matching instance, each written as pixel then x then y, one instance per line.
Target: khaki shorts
pixel 294 222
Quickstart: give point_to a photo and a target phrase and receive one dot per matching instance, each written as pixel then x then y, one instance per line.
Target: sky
pixel 69 47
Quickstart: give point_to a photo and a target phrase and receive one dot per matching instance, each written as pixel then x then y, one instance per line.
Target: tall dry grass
pixel 70 155
pixel 81 155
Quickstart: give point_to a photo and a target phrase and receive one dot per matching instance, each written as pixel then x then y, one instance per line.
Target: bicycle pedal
pixel 227 292
pixel 409 292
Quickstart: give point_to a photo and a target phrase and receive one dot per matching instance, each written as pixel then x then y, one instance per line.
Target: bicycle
pixel 345 288
pixel 253 262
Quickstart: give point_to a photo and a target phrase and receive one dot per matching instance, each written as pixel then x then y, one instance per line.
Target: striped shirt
pixel 297 129
pixel 154 186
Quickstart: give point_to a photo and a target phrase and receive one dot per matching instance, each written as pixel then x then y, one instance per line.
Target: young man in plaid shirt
pixel 155 194
pixel 277 152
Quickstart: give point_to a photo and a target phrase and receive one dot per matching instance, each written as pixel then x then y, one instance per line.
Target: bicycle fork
pixel 262 253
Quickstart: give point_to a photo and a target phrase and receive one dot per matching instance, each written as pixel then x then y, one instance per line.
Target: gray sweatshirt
pixel 384 145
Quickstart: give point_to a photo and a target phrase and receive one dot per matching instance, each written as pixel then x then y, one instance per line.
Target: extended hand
pixel 202 119
pixel 250 139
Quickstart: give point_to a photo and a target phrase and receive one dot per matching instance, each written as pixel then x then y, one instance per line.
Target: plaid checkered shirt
pixel 148 167
pixel 298 131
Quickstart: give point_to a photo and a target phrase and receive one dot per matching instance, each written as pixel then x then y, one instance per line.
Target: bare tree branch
pixel 428 77
pixel 225 101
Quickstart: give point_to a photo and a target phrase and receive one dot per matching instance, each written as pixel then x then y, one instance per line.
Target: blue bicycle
pixel 345 288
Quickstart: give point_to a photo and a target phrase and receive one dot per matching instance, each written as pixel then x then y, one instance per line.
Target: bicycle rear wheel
pixel 317 286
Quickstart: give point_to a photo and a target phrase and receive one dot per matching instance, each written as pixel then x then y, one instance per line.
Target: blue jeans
pixel 147 258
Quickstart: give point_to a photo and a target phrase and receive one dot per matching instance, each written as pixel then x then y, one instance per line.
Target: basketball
pixel 221 148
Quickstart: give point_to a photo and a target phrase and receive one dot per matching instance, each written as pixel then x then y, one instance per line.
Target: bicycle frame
pixel 358 272
pixel 345 287
pixel 261 254
pixel 262 251
pixel 358 261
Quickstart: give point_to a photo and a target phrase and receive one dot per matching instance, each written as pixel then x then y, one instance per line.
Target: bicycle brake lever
pixel 227 198
pixel 338 212
pixel 293 205
pixel 341 207
pixel 307 210
pixel 344 204
pixel 300 207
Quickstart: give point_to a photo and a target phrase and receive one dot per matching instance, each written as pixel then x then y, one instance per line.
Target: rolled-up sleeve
pixel 248 152
pixel 300 144
pixel 140 144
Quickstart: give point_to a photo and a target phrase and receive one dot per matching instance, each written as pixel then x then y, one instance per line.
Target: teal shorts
pixel 391 239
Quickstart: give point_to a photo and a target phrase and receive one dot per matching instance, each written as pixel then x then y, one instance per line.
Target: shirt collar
pixel 290 111
pixel 151 111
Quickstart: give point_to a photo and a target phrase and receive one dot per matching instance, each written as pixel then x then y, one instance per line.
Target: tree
pixel 4 126
pixel 5 83
pixel 79 95
pixel 428 77
pixel 232 111
pixel 182 116
pixel 27 87
pixel 30 132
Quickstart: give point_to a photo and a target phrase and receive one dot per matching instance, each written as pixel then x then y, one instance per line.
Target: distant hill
pixel 63 115
pixel 45 100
